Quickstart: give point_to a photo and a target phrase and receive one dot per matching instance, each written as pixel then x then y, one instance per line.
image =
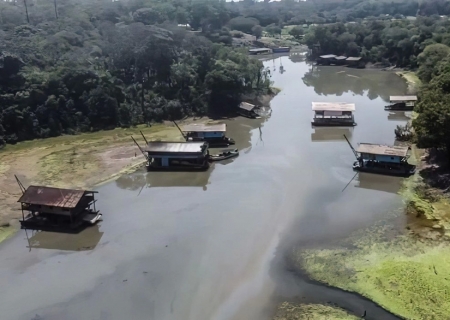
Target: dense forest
pixel 70 66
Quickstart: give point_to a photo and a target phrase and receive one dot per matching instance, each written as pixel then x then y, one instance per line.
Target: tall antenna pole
pixel 180 130
pixel 353 149
pixel 22 188
pixel 26 10
pixel 56 9
pixel 143 137
pixel 140 148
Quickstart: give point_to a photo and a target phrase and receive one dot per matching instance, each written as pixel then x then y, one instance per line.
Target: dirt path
pixel 80 161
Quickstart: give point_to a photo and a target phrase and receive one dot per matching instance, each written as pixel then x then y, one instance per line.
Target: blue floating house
pixel 214 134
pixel 382 159
pixel 182 156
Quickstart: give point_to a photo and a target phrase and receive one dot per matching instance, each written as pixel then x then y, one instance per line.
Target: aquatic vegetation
pixel 6 232
pixel 292 311
pixel 412 79
pixel 404 274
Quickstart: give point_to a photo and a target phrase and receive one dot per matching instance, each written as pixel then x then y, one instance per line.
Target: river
pixel 212 245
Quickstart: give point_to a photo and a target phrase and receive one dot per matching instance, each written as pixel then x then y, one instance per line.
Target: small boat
pixel 225 154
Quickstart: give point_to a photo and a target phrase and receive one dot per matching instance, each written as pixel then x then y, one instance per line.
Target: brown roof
pixel 382 149
pixel 177 147
pixel 247 106
pixel 333 106
pixel 222 127
pixel 52 197
pixel 402 98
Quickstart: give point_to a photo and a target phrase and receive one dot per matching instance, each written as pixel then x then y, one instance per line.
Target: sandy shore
pixel 292 311
pixel 79 161
pixel 411 79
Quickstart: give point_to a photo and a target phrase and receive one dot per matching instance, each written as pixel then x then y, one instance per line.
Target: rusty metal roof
pixel 52 197
pixel 205 128
pixel 378 149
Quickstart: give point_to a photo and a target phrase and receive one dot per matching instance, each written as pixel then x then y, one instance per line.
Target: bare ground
pixel 79 161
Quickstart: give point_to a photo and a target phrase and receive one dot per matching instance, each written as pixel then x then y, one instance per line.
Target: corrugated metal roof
pixel 221 127
pixel 353 58
pixel 328 56
pixel 175 147
pixel 333 106
pixel 52 197
pixel 402 98
pixel 247 106
pixel 382 149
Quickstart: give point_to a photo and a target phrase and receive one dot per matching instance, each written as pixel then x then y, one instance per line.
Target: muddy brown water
pixel 213 245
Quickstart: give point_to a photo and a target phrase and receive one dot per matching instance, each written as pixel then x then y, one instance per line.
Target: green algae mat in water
pixel 290 311
pixel 406 276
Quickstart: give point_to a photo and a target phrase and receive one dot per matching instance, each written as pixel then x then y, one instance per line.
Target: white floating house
pixel 333 114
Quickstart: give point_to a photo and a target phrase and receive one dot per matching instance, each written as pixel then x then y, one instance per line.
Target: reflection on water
pixel 398 116
pixel 297 56
pixel 378 182
pixel 332 80
pixel 85 240
pixel 331 134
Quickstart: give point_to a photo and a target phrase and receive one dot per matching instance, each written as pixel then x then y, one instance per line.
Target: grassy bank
pixel 291 311
pixel 79 161
pixel 402 268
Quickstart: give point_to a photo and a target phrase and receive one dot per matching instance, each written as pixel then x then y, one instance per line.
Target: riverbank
pixel 401 263
pixel 292 311
pixel 78 161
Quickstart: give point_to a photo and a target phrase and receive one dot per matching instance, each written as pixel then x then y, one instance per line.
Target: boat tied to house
pixel 382 159
pixel 225 154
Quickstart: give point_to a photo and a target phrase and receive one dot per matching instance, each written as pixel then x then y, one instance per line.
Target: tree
pixel 273 29
pixel 297 32
pixel 257 31
pixel 429 58
pixel 243 24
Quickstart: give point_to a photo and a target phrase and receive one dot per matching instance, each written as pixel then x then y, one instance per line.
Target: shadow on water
pixel 378 182
pixel 332 80
pixel 87 239
pixel 331 134
pixel 399 116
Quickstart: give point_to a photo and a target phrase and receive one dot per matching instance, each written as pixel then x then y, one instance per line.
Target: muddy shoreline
pixel 95 158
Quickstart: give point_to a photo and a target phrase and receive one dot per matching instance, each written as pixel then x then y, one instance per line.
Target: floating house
pixel 248 110
pixel 401 103
pixel 257 51
pixel 355 62
pixel 173 156
pixel 326 59
pixel 60 210
pixel 340 60
pixel 281 49
pixel 213 134
pixel 382 159
pixel 331 114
